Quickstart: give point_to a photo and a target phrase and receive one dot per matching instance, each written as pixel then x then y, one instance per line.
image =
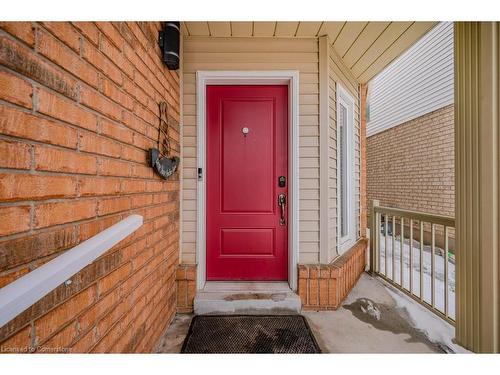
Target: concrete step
pixel 246 298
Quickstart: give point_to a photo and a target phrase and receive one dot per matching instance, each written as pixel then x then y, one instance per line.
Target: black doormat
pixel 249 334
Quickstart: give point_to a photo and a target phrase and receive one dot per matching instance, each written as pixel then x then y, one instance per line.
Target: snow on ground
pixel 436 329
pixel 394 258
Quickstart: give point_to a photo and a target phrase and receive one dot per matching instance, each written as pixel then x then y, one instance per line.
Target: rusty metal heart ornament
pixel 160 159
pixel 164 166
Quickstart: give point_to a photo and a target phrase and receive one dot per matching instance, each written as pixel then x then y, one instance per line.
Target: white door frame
pixel 278 77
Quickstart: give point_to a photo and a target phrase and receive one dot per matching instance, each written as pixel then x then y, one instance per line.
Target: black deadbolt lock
pixel 282 181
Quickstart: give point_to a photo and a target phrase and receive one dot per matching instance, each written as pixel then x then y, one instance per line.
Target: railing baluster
pixel 421 260
pixel 386 245
pixel 446 270
pixel 374 236
pixel 411 256
pixel 433 266
pixel 389 215
pixel 377 220
pixel 401 251
pixel 393 247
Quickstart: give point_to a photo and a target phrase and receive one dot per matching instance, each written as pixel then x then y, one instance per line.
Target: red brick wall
pixel 325 286
pixel 78 111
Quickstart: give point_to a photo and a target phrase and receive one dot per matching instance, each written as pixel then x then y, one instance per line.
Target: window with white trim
pixel 345 170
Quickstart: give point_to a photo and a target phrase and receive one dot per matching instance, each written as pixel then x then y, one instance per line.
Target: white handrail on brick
pixel 25 291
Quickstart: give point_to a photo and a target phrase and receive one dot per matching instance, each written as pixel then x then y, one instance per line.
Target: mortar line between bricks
pixel 79 222
pixel 96 156
pixel 46 201
pixel 79 176
pixel 16 268
pixel 16 39
pixel 73 126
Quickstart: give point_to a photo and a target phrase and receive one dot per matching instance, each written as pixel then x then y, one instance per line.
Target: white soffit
pixel 365 47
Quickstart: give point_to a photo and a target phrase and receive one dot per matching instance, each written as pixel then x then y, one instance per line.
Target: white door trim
pixel 278 77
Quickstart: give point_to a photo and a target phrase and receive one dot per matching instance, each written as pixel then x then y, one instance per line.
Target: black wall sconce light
pixel 169 40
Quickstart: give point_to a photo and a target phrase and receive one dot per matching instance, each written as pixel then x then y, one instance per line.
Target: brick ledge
pixel 325 286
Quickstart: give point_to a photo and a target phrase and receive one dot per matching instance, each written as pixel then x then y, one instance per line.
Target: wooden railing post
pixel 374 233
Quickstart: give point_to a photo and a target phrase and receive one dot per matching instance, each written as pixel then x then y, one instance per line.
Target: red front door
pixel 247 172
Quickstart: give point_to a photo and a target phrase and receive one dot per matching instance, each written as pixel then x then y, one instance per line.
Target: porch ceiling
pixel 365 47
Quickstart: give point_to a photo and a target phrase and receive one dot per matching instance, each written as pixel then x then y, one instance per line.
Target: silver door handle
pixel 282 204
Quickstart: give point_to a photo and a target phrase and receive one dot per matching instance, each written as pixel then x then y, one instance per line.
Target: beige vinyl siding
pixel 207 53
pixel 340 74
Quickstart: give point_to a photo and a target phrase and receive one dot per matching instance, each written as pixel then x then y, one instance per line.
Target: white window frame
pixel 346 242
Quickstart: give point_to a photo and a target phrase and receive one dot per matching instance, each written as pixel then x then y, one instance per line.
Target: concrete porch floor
pixel 375 318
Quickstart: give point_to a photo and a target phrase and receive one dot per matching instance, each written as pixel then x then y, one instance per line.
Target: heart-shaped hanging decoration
pixel 160 159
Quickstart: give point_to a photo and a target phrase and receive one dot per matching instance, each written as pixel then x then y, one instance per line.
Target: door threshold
pixel 246 286
pixel 243 297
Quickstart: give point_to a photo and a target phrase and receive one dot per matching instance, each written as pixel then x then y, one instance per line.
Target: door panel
pixel 257 241
pixel 247 161
pixel 247 147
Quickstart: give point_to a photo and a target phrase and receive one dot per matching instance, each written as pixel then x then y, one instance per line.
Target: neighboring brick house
pixel 78 111
pixel 410 144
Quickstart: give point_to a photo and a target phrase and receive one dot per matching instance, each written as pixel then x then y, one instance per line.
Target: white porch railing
pixel 27 290
pixel 405 252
